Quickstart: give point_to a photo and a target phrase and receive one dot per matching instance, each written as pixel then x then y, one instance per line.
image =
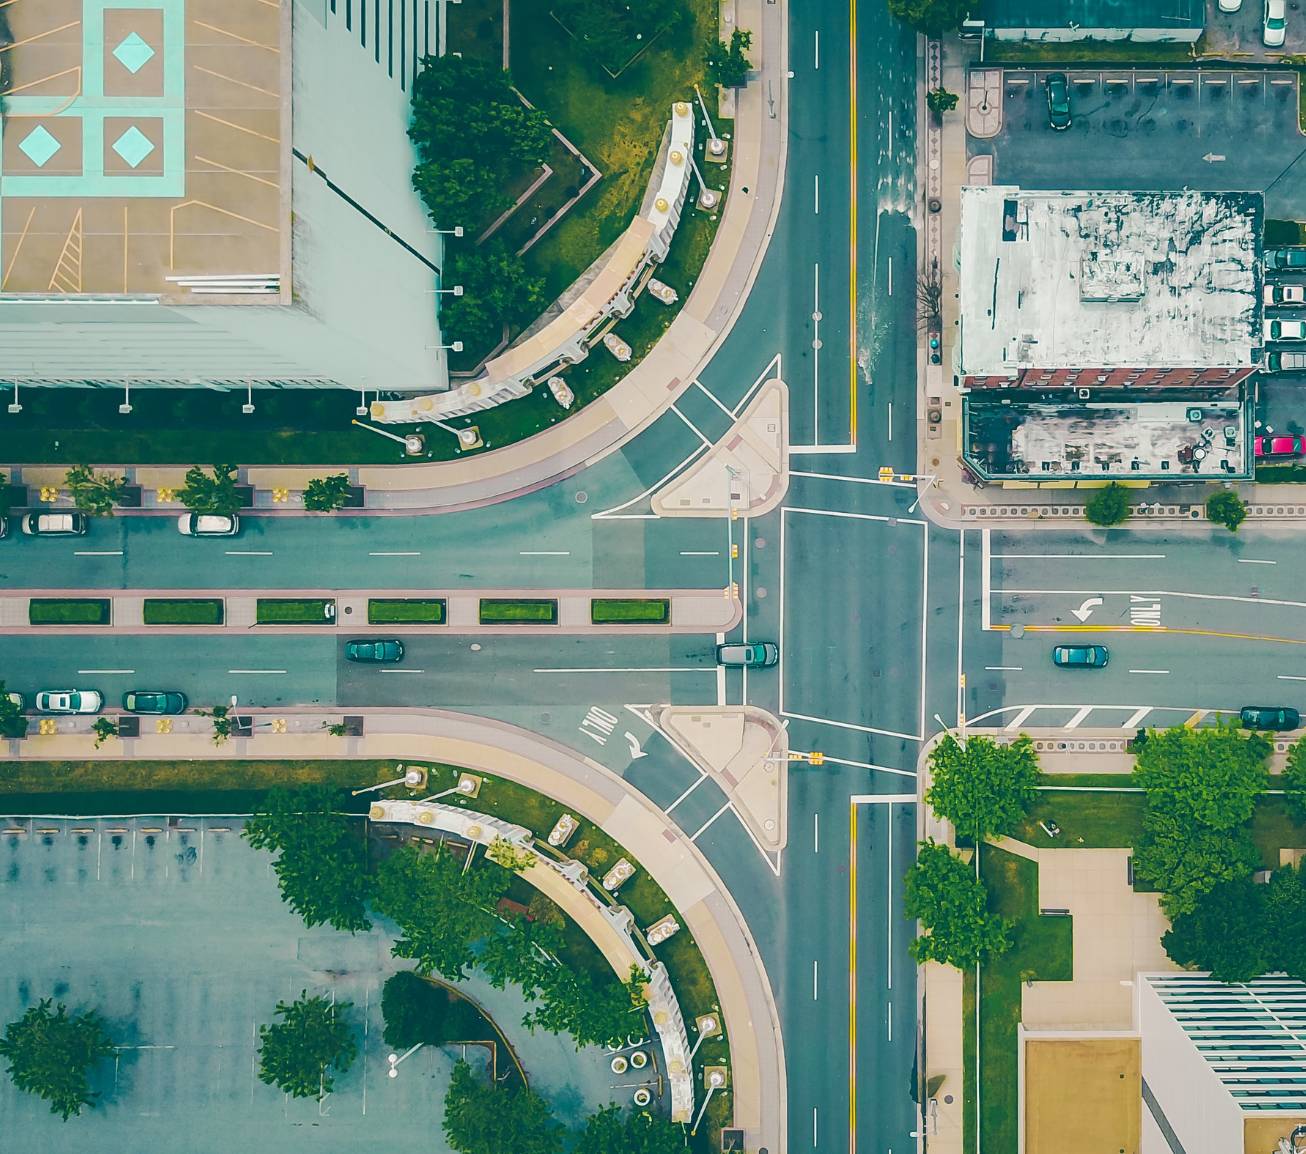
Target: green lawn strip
pixel 69 611
pixel 634 611
pixel 57 777
pixel 1088 819
pixel 407 611
pixel 1041 949
pixel 1280 474
pixel 176 611
pixel 967 1062
pixel 293 611
pixel 519 611
pixel 1122 52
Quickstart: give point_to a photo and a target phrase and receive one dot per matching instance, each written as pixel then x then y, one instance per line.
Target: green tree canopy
pixel 94 494
pixel 326 494
pixel 1293 779
pixel 1224 933
pixel 933 17
pixel 1285 910
pixel 495 288
pixel 982 787
pixel 1184 860
pixel 49 1052
pixel 728 63
pixel 212 493
pixel 638 1132
pixel 1226 508
pixel 13 722
pixel 483 1119
pixel 594 1010
pixel 417 1009
pixel 312 1043
pixel 951 903
pixel 940 100
pixel 613 31
pixel 1209 776
pixel 1108 506
pixel 321 863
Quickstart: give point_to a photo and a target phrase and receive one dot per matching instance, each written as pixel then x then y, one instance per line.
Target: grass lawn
pixel 1041 949
pixel 69 611
pixel 1280 474
pixel 968 1118
pixel 175 611
pixel 294 611
pixel 535 611
pixel 476 29
pixel 1121 52
pixel 412 611
pixel 638 611
pixel 1088 820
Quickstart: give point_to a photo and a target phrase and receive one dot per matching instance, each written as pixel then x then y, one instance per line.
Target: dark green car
pixel 1058 101
pixel 154 701
pixel 386 651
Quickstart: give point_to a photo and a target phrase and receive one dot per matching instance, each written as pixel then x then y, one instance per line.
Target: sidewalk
pixel 692 611
pixel 757 1078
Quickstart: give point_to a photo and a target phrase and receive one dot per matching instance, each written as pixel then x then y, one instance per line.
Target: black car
pixel 1276 717
pixel 154 701
pixel 379 652
pixel 1058 101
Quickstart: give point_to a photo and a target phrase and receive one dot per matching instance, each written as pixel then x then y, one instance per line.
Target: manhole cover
pixel 582 497
pixel 1017 631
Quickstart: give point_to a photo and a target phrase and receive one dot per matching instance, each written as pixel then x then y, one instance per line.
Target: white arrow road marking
pixel 635 751
pixel 1085 611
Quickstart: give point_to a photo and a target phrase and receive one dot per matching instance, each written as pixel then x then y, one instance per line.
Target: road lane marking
pixel 864 765
pixel 852 970
pixel 403 671
pixel 249 552
pixel 816 354
pixel 889 1020
pixel 257 671
pixel 700 552
pixel 721 686
pixel 888 909
pixel 395 553
pixel 1136 718
pixel 635 669
pixel 1078 720
pixel 850 725
pixel 702 829
pixel 816 833
pixel 544 553
pixel 1156 629
pixel 97 552
pixel 1196 717
pixel 855 516
pixel 882 798
pixel 813 1127
pixel 816 996
pixel 891 258
pixel 853 480
pixel 986 580
pixel 1155 593
pixel 891 421
pixel 711 396
pixel 1005 668
pixel 1254 561
pixel 816 194
pixel 1080 556
pixel 1019 720
pixel 1290 677
pixel 852 314
pixel 106 671
pixel 706 443
pixel 701 778
pixel 816 63
pixel 1162 671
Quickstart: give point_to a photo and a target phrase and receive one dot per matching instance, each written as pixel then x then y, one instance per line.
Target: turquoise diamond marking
pixel 133 146
pixel 133 54
pixel 39 145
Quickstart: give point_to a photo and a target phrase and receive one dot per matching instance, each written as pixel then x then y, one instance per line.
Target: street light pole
pixel 395 1059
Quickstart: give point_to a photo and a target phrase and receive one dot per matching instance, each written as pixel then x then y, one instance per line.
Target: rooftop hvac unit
pixel 1083 394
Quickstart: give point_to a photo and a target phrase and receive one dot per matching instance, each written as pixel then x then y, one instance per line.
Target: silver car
pixel 744 654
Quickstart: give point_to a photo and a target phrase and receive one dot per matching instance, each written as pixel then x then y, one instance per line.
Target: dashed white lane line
pixel 1154 671
pixel 1254 561
pixel 1290 677
pixel 544 553
pixel 249 552
pixel 1004 668
pixel 395 553
pixel 403 670
pixel 258 671
pixel 700 552
pixel 105 671
pixel 97 552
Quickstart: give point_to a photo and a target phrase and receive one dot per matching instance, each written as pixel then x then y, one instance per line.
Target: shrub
pixel 1109 506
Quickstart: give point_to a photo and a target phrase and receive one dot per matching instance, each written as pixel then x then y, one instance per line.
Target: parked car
pixel 1287 330
pixel 55 524
pixel 208 525
pixel 1276 362
pixel 1279 447
pixel 154 701
pixel 1058 101
pixel 1230 5
pixel 739 655
pixel 4 526
pixel 385 651
pixel 1080 656
pixel 69 701
pixel 1276 717
pixel 1285 294
pixel 1276 23
pixel 1285 258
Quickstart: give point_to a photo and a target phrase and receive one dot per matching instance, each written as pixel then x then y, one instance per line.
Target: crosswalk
pixel 1071 716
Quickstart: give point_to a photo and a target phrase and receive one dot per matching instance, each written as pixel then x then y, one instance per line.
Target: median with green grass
pixel 630 610
pixel 296 611
pixel 183 611
pixel 69 611
pixel 519 611
pixel 406 611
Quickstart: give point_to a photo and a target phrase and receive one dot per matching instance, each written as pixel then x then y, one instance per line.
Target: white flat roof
pixel 1086 279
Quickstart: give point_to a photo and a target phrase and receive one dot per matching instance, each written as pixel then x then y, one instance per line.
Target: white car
pixel 1230 5
pixel 1286 330
pixel 1276 23
pixel 55 524
pixel 1285 294
pixel 69 701
pixel 208 525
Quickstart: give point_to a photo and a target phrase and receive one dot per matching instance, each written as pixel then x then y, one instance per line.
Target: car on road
pixel 1080 656
pixel 69 701
pixel 1276 717
pixel 1285 258
pixel 1276 23
pixel 1058 88
pixel 55 524
pixel 378 651
pixel 1287 330
pixel 1279 447
pixel 1277 362
pixel 741 655
pixel 1285 294
pixel 4 526
pixel 208 525
pixel 154 701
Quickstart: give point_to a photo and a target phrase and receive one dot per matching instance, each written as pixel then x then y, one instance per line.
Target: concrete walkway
pixel 584 786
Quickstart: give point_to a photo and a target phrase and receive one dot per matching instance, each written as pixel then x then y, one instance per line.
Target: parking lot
pixel 1156 129
pixel 174 930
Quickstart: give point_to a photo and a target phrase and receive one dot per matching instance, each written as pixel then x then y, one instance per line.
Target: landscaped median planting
pixel 630 610
pixel 296 611
pixel 69 611
pixel 519 611
pixel 182 611
pixel 411 611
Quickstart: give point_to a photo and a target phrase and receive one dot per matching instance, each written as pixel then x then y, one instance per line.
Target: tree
pixel 49 1052
pixel 1224 933
pixel 1108 506
pixel 13 722
pixel 1285 914
pixel 313 1041
pixel 595 1012
pixel 460 190
pixel 1226 508
pixel 929 301
pixel 94 494
pixel 951 904
pixel 511 857
pixel 1208 777
pixel 496 288
pixel 1184 860
pixel 224 723
pixel 321 863
pixel 327 494
pixel 637 1132
pixel 728 64
pixel 417 1010
pixel 213 495
pixel 480 1118
pixel 1293 778
pixel 982 787
pixel 940 100
pixel 103 729
pixel 933 17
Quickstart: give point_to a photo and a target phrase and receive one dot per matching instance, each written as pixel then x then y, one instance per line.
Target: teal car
pixel 385 651
pixel 746 654
pixel 1080 656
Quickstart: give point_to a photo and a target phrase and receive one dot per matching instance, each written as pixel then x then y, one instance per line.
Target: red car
pixel 1280 447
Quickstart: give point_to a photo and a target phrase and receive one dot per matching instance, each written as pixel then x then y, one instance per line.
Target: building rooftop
pixel 1168 14
pixel 1071 279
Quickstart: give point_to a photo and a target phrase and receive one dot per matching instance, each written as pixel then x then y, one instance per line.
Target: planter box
pixel 354 725
pixel 129 725
pixel 296 611
pixel 69 611
pixel 518 611
pixel 246 495
pixel 406 611
pixel 630 610
pixel 17 496
pixel 357 497
pixel 131 497
pixel 183 611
